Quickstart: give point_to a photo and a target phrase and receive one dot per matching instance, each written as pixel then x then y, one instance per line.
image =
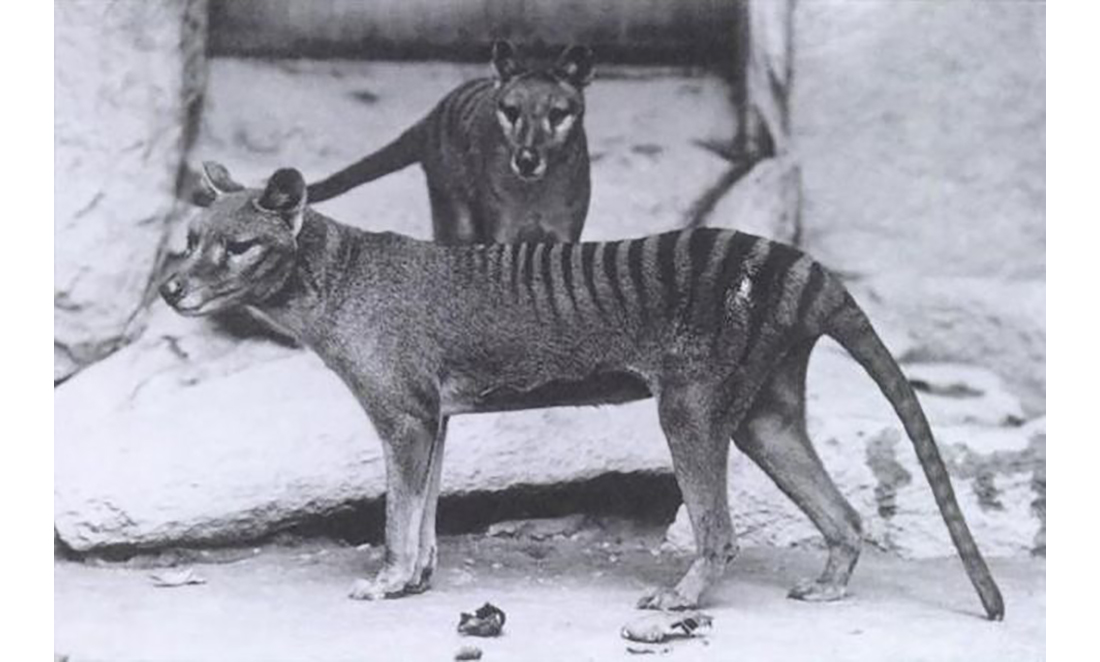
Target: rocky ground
pixel 565 597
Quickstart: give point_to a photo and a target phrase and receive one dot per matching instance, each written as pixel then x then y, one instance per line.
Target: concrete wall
pixel 921 130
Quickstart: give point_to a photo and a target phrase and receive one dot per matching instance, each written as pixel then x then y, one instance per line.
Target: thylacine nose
pixel 527 161
pixel 172 290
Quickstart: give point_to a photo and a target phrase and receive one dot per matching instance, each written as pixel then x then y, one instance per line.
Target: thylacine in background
pixel 506 157
pixel 716 326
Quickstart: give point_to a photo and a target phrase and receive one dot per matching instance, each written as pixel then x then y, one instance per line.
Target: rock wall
pixel 126 77
pixel 920 128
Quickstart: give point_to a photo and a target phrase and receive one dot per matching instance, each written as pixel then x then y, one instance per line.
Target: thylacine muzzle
pixel 717 326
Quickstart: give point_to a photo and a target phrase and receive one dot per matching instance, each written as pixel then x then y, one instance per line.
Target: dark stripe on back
pixel 734 263
pixel 514 277
pixel 567 272
pixel 529 268
pixel 767 290
pixel 637 279
pixel 548 278
pixel 588 268
pixel 666 268
pixel 810 291
pixel 700 246
pixel 470 104
pixel 528 274
pixel 610 250
pixel 495 262
pixel 457 103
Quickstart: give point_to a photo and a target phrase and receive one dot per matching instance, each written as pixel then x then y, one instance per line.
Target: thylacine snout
pixel 242 250
pixel 528 164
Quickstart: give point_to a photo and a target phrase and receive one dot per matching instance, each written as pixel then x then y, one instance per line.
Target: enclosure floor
pixel 565 600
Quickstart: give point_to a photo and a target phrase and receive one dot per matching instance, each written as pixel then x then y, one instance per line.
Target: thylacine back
pixel 506 158
pixel 717 326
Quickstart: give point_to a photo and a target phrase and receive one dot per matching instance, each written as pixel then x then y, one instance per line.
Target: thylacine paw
pixel 813 590
pixel 387 586
pixel 666 599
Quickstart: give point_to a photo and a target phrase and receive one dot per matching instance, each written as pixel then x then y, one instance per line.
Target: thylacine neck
pixel 323 259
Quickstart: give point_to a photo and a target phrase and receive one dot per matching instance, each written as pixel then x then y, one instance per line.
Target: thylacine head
pixel 539 109
pixel 242 249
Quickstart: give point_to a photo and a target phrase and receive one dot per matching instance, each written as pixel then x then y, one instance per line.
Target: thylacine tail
pixel 850 327
pixel 402 152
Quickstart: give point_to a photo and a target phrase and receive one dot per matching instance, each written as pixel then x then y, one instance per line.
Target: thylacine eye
pixel 510 112
pixel 557 116
pixel 192 242
pixel 240 247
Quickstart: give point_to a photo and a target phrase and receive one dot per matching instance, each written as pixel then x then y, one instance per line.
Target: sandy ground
pixel 565 599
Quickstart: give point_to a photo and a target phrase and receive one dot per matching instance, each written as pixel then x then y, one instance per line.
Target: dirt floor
pixel 566 598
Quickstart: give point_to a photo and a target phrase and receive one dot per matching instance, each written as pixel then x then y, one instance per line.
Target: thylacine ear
pixel 207 185
pixel 285 195
pixel 575 66
pixel 503 62
pixel 217 181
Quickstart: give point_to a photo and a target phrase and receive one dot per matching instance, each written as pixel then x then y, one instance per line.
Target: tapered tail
pixel 402 152
pixel 850 327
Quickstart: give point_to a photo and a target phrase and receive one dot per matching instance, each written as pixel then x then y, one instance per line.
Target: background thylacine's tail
pixel 404 151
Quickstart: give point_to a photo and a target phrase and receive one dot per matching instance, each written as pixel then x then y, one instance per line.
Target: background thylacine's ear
pixel 575 66
pixel 285 195
pixel 504 62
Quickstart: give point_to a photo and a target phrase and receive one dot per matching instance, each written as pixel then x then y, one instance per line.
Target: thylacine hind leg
pixel 773 434
pixel 698 437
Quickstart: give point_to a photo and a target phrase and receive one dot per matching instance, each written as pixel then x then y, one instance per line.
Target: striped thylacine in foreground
pixel 717 326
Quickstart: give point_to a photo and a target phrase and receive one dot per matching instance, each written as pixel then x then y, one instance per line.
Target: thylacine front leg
pixel 412 445
pixel 426 560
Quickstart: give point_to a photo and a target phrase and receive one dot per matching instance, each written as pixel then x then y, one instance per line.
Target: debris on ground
pixel 176 577
pixel 487 621
pixel 539 529
pixel 666 626
pixel 468 653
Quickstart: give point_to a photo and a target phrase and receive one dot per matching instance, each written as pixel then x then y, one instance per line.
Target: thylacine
pixel 506 157
pixel 716 326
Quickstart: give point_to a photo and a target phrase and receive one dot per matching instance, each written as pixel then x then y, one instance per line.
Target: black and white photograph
pixel 515 330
